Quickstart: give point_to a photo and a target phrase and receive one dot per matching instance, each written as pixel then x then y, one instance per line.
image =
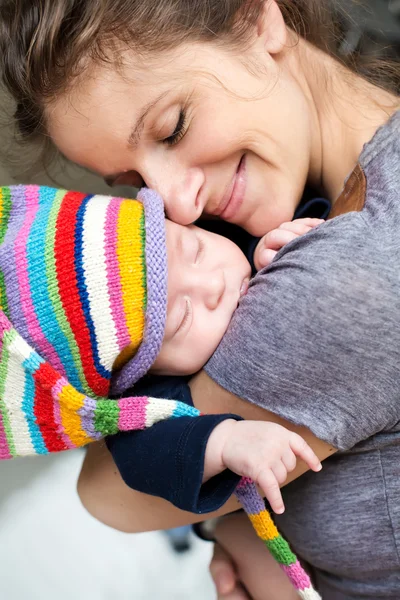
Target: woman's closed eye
pixel 179 131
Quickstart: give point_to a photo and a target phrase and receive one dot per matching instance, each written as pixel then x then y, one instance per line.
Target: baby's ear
pixel 271 28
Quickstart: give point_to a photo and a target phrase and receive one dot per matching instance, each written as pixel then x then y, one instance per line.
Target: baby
pixel 86 303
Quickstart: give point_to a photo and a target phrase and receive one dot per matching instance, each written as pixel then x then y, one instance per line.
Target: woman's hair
pixel 46 45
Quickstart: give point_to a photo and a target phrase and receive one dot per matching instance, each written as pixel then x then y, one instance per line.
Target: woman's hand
pixel 272 242
pixel 242 568
pixel 225 577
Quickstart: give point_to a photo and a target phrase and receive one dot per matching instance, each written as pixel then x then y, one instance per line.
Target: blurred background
pixel 50 548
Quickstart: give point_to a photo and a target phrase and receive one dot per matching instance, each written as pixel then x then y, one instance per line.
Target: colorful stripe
pixel 112 268
pixel 132 414
pixel 35 333
pixel 87 414
pixel 94 243
pixel 131 267
pixel 4 450
pixel 84 298
pixel 71 401
pixel 7 440
pixel 39 285
pixel 9 253
pixel 28 404
pixel 45 379
pixel 67 279
pixel 62 427
pixel 3 295
pixel 54 288
pixel 14 395
pixel 5 209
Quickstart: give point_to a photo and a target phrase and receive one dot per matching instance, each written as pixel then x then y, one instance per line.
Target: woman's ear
pixel 271 28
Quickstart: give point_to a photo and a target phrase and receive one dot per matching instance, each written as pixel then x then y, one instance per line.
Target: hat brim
pixel 157 294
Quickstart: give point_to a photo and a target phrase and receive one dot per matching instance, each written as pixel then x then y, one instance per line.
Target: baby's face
pixel 207 275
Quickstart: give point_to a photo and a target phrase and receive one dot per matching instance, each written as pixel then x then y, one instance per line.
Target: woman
pixel 230 109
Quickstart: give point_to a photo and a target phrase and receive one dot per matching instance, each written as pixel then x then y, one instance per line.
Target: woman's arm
pixel 107 498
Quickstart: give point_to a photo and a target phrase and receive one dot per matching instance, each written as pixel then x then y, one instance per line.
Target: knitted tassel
pixel 254 506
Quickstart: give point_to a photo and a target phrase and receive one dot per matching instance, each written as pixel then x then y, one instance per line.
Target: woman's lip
pixel 237 194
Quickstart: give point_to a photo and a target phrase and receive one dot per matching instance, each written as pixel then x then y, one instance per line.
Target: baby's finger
pixel 303 450
pixel 264 258
pixel 277 238
pixel 289 460
pixel 307 221
pixel 295 227
pixel 268 483
pixel 280 472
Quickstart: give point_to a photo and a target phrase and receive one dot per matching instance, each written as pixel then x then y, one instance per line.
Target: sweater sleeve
pixel 167 460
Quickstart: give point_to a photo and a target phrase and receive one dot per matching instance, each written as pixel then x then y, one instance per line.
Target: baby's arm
pixel 264 452
pixel 272 242
pixel 167 459
pixel 196 462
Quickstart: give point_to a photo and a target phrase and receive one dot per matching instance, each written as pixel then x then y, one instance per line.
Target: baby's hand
pixel 264 452
pixel 273 241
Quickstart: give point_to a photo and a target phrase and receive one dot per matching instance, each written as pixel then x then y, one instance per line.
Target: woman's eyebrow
pixel 134 136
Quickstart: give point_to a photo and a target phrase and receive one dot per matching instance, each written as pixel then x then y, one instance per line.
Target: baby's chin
pixel 183 368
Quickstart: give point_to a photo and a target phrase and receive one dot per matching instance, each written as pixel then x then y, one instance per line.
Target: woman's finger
pixel 223 572
pixel 238 594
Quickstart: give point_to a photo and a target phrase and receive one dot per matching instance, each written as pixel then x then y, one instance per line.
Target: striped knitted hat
pixel 84 280
pixel 83 286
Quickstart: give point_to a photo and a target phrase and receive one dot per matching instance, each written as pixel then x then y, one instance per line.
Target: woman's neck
pixel 346 112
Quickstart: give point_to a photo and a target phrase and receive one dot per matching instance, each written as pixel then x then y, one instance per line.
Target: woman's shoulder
pixel 380 162
pixel 316 336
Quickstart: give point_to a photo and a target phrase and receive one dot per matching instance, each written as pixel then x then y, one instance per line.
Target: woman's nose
pixel 213 289
pixel 180 190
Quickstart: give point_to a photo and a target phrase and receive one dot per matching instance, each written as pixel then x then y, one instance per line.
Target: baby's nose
pixel 214 289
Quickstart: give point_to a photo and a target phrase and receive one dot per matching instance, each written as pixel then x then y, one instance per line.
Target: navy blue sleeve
pixel 167 460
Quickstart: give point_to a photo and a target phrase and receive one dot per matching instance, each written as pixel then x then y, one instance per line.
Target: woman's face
pixel 213 132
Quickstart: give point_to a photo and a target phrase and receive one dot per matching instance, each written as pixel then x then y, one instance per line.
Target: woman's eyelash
pixel 179 130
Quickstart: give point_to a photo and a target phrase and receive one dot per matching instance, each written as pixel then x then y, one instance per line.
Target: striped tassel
pixel 254 506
